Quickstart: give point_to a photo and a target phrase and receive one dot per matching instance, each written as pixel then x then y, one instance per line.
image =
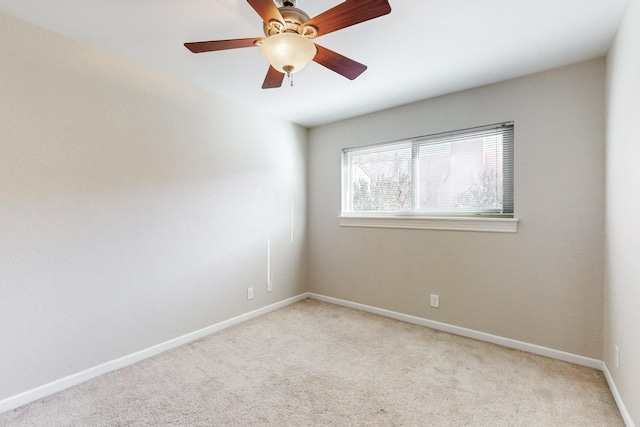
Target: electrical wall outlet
pixel 269 286
pixel 435 301
pixel 250 293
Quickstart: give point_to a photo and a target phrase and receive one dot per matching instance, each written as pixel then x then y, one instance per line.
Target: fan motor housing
pixel 293 18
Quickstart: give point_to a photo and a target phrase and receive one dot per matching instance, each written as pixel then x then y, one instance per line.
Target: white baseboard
pixel 616 395
pixel 96 371
pixel 470 333
pixel 75 379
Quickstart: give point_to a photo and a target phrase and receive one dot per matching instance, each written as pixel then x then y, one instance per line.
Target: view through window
pixel 467 172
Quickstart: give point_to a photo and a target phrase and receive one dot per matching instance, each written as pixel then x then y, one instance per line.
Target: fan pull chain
pixel 288 69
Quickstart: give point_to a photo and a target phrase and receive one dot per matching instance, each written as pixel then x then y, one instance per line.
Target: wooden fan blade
pixel 349 13
pixel 267 10
pixel 199 47
pixel 338 63
pixel 274 79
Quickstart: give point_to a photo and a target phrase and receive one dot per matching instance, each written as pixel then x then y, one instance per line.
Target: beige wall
pixel 622 248
pixel 542 285
pixel 133 209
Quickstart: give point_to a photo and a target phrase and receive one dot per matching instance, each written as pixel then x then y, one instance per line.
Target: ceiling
pixel 422 49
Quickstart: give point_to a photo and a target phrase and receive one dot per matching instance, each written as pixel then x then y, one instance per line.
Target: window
pixel 467 173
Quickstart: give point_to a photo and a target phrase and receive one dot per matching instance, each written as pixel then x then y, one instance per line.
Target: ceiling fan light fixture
pixel 288 52
pixel 288 47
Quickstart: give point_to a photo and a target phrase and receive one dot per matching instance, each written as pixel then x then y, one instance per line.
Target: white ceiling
pixel 424 48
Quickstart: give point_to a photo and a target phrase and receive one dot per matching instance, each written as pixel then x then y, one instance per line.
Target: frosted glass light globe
pixel 288 52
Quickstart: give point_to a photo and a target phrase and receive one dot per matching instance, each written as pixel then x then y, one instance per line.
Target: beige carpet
pixel 316 364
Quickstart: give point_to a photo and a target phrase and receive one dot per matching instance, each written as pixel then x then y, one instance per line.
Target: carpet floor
pixel 318 364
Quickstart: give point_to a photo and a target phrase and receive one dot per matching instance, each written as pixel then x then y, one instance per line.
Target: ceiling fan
pixel 289 31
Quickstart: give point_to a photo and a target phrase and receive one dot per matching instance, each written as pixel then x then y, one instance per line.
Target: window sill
pixel 494 225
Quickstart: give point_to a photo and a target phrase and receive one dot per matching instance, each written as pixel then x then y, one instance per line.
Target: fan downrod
pixel 290 3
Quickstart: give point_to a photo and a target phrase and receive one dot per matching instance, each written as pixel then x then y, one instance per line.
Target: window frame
pixel 460 221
